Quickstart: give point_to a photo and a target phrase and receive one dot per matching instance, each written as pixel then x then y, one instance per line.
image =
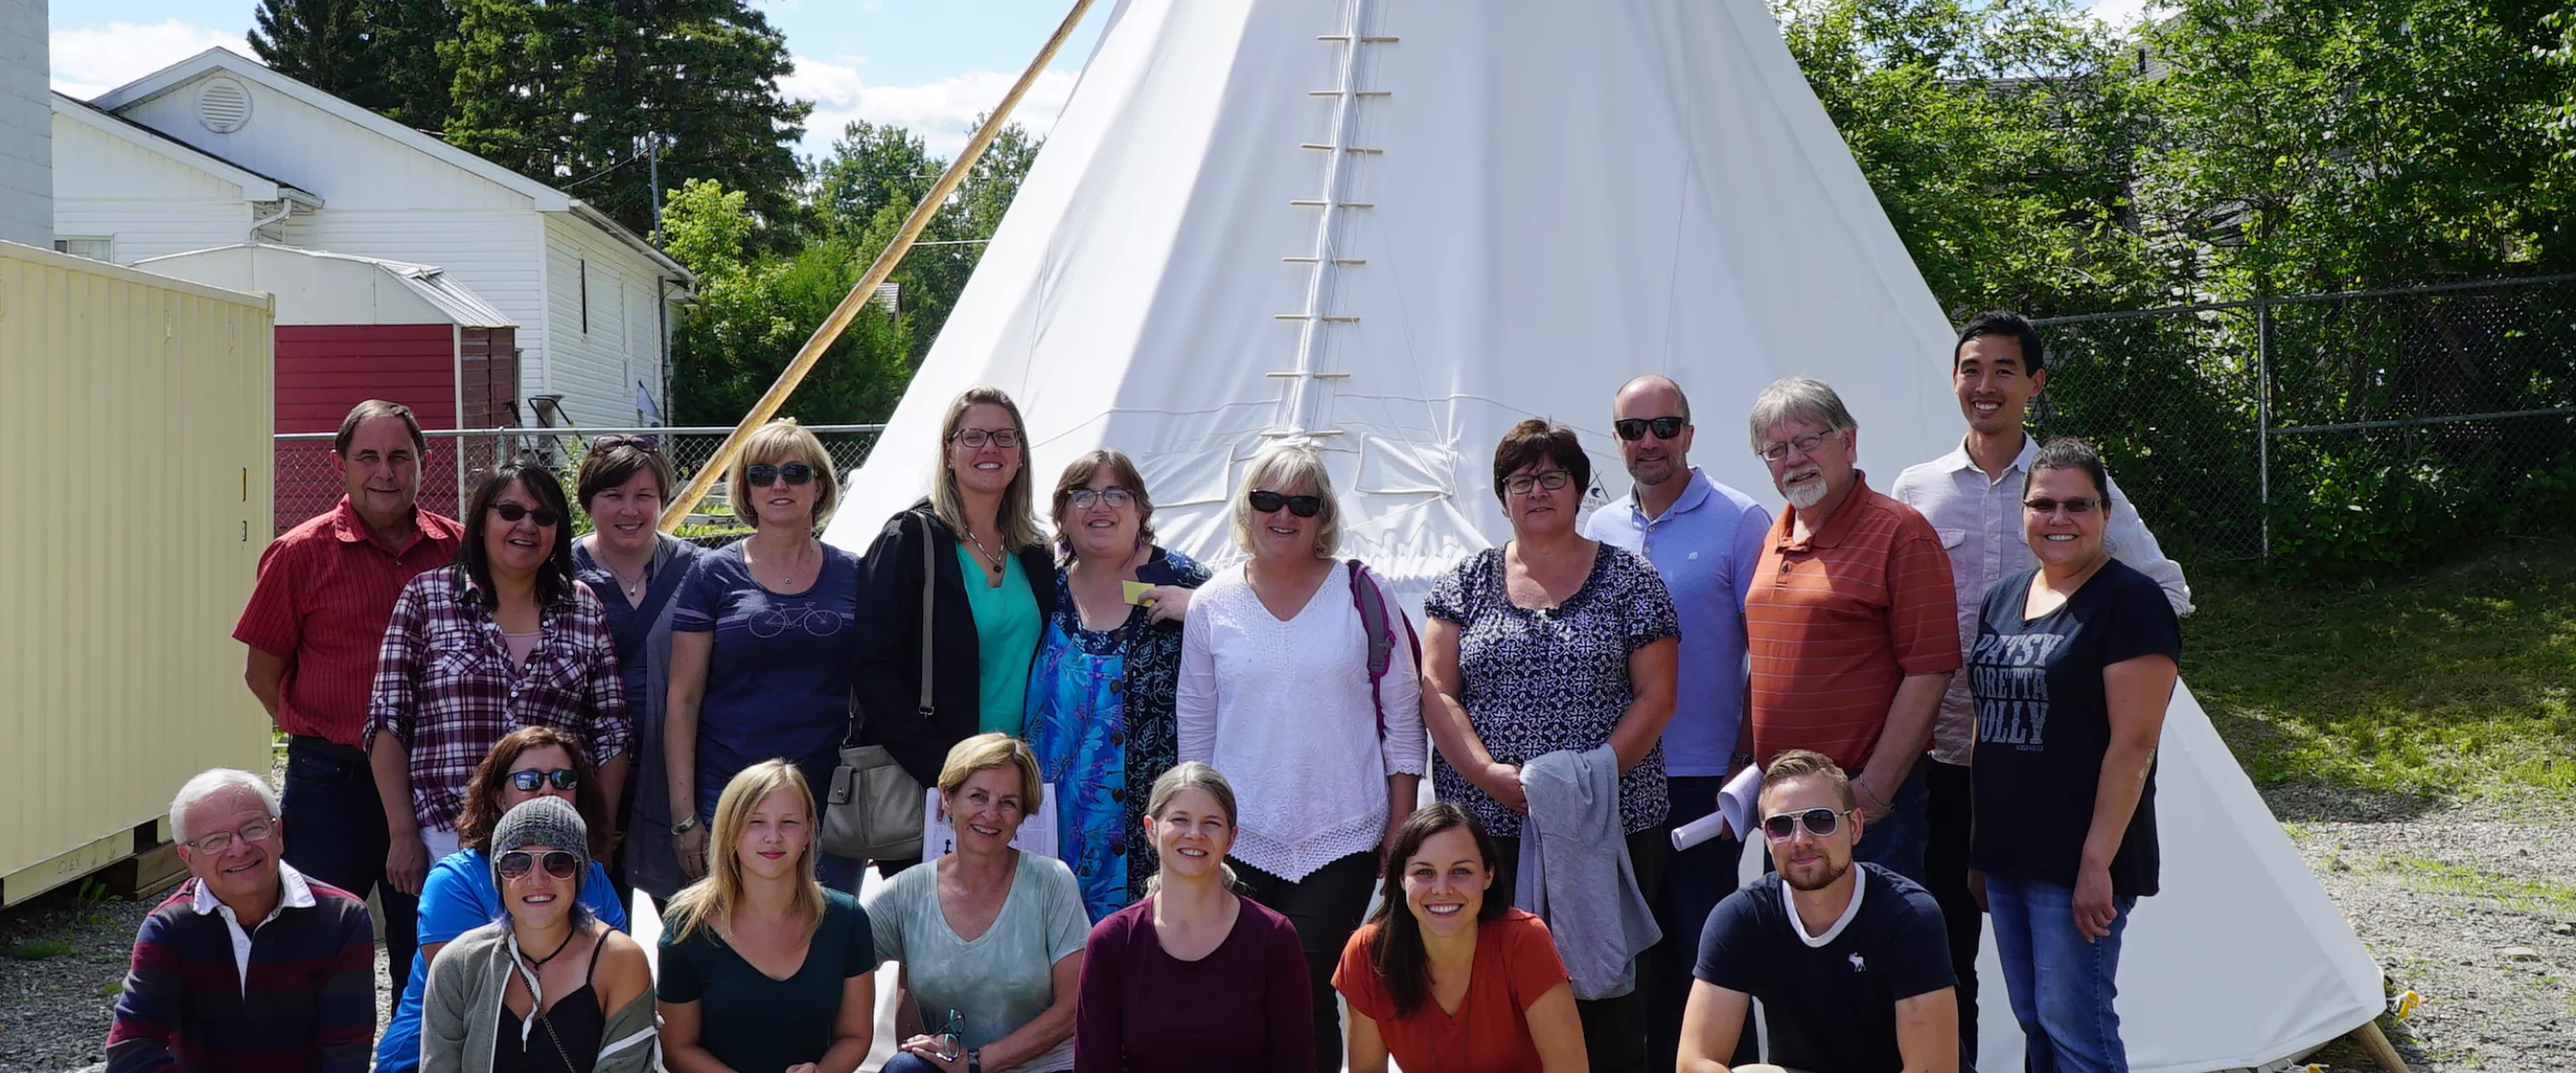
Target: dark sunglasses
pixel 1634 428
pixel 2078 505
pixel 530 781
pixel 762 475
pixel 512 512
pixel 1820 822
pixel 616 440
pixel 559 864
pixel 1301 506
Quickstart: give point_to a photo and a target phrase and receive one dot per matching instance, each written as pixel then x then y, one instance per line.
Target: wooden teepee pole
pixel 884 266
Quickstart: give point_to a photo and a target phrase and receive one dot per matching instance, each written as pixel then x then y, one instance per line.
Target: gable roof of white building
pixel 255 186
pixel 225 61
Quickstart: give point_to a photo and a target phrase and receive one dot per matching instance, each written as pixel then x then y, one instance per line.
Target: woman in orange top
pixel 1454 981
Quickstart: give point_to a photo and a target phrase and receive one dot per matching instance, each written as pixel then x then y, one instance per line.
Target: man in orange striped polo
pixel 1851 624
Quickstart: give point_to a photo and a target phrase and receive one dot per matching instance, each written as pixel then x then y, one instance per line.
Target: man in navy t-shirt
pixel 1852 964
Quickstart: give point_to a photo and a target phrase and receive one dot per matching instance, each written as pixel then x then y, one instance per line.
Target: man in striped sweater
pixel 248 966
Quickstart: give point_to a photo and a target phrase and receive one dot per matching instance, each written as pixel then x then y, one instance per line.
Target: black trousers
pixel 1945 873
pixel 1614 1029
pixel 335 832
pixel 1325 908
pixel 1694 882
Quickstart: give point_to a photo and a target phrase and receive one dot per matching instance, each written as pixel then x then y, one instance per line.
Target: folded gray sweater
pixel 1575 872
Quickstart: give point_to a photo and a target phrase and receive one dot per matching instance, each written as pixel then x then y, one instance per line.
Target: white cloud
pixel 2126 14
pixel 942 112
pixel 90 60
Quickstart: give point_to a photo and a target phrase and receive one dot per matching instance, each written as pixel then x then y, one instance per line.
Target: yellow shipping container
pixel 134 472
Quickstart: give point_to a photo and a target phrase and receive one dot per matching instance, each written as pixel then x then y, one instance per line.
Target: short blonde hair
pixel 1804 764
pixel 777 443
pixel 1286 466
pixel 987 751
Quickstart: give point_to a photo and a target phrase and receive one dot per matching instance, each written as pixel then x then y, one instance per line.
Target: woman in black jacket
pixel 993 588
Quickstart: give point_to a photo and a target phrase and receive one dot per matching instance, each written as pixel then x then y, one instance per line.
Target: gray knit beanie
pixel 543 821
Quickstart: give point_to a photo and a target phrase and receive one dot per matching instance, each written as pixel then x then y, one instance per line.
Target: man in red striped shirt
pixel 314 625
pixel 1850 623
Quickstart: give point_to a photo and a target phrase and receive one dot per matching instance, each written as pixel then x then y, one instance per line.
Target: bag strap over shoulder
pixel 929 600
pixel 1377 622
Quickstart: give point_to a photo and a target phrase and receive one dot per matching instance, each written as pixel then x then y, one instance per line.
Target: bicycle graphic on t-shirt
pixel 815 621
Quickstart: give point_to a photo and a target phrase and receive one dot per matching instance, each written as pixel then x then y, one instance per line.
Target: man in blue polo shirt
pixel 1704 538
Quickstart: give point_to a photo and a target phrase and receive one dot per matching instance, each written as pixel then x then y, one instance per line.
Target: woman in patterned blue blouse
pixel 1553 643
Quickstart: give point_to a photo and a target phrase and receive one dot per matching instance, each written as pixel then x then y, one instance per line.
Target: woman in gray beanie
pixel 548 987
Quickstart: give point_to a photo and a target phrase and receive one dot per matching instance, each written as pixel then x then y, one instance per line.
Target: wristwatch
pixel 975 1060
pixel 685 826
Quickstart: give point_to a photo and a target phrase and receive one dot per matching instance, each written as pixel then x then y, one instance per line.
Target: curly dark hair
pixel 483 809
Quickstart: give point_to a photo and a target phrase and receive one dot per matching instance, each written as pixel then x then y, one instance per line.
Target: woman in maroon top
pixel 1193 977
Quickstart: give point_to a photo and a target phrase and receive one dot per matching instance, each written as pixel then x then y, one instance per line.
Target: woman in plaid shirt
pixel 501 640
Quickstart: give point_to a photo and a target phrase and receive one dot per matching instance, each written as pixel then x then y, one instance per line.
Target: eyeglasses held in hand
pixel 532 780
pixel 1635 428
pixel 1265 502
pixel 1806 445
pixel 952 1037
pixel 1086 498
pixel 1005 438
pixel 512 512
pixel 1552 480
pixel 762 474
pixel 1820 822
pixel 2077 505
pixel 559 863
pixel 218 842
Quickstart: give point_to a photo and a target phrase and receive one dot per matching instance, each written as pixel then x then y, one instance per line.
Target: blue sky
pixel 930 65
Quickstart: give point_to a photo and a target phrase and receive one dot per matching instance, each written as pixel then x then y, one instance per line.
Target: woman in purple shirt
pixel 1193 977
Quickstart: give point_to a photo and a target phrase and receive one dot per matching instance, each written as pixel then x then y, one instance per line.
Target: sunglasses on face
pixel 1806 445
pixel 615 441
pixel 1635 428
pixel 2078 505
pixel 1552 480
pixel 512 512
pixel 1820 822
pixel 1086 498
pixel 1004 438
pixel 532 780
pixel 762 475
pixel 559 864
pixel 1269 502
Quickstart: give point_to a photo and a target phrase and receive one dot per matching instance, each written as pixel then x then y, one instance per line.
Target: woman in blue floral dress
pixel 1101 690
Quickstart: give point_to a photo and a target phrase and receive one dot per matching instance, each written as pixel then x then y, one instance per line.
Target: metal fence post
pixel 2263 414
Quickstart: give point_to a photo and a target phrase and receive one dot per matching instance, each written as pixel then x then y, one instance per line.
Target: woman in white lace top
pixel 1276 691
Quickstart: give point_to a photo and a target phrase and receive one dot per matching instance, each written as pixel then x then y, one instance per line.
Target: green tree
pixel 875 176
pixel 327 44
pixel 575 93
pixel 755 309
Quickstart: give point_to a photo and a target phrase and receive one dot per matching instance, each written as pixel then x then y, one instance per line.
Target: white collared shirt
pixel 1979 520
pixel 293 893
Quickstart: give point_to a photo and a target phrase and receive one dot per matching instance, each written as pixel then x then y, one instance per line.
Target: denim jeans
pixel 905 1062
pixel 2061 985
pixel 335 833
pixel 1896 841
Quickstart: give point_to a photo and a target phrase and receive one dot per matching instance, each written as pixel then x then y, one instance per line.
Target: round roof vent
pixel 223 104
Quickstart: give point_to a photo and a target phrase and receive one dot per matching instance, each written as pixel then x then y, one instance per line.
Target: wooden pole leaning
pixel 830 330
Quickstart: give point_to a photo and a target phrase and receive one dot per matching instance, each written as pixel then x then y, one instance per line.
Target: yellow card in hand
pixel 1135 592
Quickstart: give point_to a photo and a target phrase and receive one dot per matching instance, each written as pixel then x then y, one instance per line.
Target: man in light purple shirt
pixel 1972 497
pixel 1704 539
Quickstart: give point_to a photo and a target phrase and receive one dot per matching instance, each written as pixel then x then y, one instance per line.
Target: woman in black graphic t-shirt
pixel 2072 667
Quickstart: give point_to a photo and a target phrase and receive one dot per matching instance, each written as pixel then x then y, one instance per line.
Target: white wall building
pixel 26 182
pixel 217 149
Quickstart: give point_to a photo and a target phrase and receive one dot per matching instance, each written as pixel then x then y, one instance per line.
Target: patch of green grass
pixel 2528 896
pixel 40 949
pixel 2459 682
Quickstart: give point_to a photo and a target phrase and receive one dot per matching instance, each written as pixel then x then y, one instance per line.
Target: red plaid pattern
pixel 325 590
pixel 446 688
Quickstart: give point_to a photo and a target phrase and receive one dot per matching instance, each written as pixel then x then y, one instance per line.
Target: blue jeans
pixel 1895 841
pixel 905 1062
pixel 335 833
pixel 2061 985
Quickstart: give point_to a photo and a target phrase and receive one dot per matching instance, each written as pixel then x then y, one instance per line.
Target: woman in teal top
pixel 972 548
pixel 761 968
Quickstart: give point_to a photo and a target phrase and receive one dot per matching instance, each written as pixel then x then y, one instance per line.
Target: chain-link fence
pixel 308 484
pixel 2331 431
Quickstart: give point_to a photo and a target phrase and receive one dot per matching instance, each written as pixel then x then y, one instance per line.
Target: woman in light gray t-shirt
pixel 988 934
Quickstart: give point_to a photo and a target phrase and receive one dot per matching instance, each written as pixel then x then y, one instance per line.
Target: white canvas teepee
pixel 1393 228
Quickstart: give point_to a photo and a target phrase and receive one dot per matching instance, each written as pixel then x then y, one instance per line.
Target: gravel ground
pixel 2472 907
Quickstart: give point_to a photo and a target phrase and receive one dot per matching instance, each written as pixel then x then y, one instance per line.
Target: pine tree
pixel 324 44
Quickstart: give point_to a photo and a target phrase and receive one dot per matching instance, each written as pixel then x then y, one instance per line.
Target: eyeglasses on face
pixel 1552 480
pixel 1086 498
pixel 531 780
pixel 512 512
pixel 1820 822
pixel 559 863
pixel 1806 445
pixel 1635 428
pixel 1267 502
pixel 220 841
pixel 2076 505
pixel 1005 438
pixel 762 474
